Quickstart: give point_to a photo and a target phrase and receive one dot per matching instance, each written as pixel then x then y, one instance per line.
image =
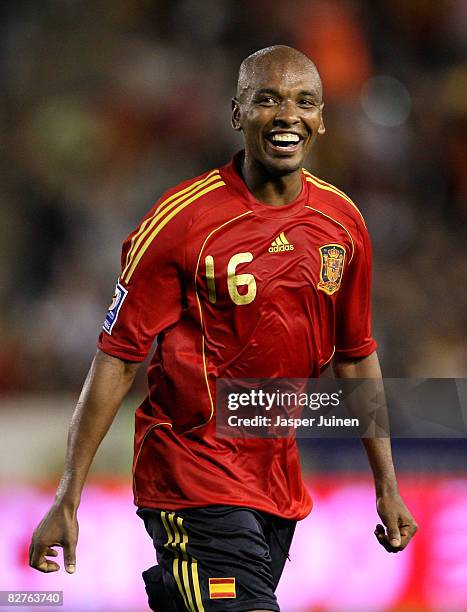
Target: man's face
pixel 279 113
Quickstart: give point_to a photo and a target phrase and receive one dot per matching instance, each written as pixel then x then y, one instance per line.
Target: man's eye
pixel 267 101
pixel 307 103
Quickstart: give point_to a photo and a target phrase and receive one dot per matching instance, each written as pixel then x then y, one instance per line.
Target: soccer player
pixel 257 269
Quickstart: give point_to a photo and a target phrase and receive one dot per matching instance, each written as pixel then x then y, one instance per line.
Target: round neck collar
pixel 234 179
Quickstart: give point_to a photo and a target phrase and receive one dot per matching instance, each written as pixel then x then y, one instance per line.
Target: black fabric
pixel 216 542
pixel 162 597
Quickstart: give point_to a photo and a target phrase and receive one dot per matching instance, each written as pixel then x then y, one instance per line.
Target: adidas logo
pixel 280 244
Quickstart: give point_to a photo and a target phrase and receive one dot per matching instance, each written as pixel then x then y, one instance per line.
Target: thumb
pixel 69 557
pixel 394 535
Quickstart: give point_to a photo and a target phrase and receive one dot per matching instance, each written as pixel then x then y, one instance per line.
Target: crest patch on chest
pixel 332 267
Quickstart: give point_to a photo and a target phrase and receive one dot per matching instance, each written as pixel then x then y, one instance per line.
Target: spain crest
pixel 332 267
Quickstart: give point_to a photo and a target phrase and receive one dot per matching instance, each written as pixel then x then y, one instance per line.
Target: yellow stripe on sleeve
pixel 328 187
pixel 157 227
pixel 165 206
pixel 183 192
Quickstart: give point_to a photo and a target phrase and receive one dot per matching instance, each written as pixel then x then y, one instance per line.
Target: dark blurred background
pixel 106 104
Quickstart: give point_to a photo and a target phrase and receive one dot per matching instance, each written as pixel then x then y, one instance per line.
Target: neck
pixel 270 189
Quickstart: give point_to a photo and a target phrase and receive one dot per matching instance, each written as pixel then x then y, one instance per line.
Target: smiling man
pixel 257 269
pixel 278 107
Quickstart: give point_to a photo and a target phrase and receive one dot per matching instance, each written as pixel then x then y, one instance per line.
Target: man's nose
pixel 286 113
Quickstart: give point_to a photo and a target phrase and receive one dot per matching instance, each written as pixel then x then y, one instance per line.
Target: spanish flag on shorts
pixel 222 588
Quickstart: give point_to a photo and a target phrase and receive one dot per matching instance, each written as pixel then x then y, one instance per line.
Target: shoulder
pixel 194 187
pixel 177 206
pixel 335 203
pixel 163 230
pixel 181 201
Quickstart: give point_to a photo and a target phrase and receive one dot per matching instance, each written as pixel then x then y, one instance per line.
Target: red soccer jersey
pixel 234 288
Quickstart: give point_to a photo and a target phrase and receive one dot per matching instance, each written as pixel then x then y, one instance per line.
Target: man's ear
pixel 321 128
pixel 235 119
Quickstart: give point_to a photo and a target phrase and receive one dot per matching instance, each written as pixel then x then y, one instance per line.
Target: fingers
pixel 393 535
pixel 385 540
pixel 408 530
pixel 38 560
pixel 59 527
pixel 47 566
pixel 382 538
pixel 395 540
pixel 69 556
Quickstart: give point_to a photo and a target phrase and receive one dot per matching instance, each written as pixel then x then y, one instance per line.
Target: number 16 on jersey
pixel 234 281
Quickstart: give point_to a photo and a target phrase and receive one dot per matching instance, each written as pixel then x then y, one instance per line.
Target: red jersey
pixel 234 288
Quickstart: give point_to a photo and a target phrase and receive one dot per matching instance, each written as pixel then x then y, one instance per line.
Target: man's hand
pixel 400 524
pixel 107 383
pixel 59 527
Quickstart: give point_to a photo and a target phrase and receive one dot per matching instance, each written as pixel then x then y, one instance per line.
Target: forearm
pixel 378 449
pixel 108 381
pixel 379 455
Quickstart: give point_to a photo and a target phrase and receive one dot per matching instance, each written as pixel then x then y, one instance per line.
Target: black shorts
pixel 215 559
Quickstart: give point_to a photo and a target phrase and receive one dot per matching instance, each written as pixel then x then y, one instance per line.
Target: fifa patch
pixel 332 267
pixel 222 588
pixel 114 308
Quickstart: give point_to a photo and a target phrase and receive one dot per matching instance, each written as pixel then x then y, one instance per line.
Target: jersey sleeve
pixel 148 294
pixel 353 307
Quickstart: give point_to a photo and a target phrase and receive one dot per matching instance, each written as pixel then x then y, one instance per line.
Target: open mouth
pixel 284 141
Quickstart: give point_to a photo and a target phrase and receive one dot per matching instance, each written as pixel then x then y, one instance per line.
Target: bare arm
pixel 108 381
pixel 399 523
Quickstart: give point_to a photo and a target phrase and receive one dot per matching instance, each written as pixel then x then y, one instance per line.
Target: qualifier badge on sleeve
pixel 114 308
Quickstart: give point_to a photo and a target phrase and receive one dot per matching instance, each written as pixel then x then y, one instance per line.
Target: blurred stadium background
pixel 105 104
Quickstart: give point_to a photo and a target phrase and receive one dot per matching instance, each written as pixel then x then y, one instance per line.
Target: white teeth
pixel 285 138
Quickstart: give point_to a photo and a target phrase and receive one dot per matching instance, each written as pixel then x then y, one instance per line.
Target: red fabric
pixel 288 330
